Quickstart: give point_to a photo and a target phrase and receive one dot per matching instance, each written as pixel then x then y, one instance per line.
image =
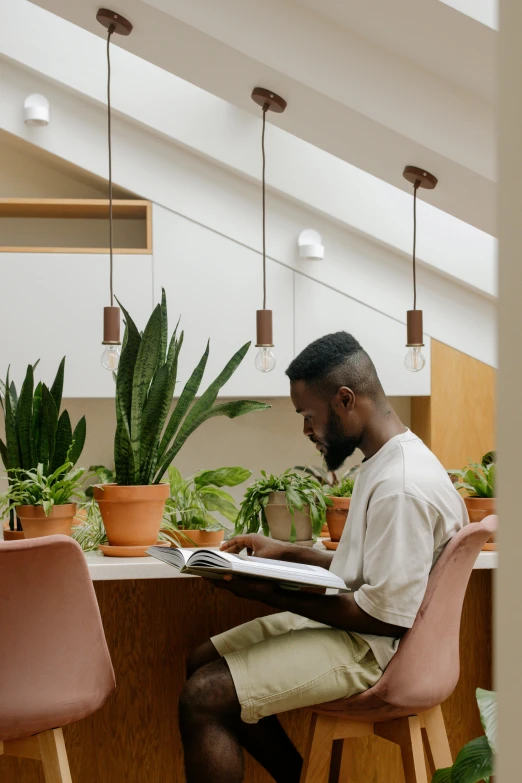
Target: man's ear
pixel 346 398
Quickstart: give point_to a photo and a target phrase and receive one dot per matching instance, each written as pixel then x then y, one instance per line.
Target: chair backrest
pixel 55 665
pixel 425 668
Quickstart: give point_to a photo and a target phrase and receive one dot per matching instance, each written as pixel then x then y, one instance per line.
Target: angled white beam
pixel 353 99
pixel 181 112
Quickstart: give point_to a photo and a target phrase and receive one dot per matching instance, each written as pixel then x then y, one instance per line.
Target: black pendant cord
pixel 265 109
pixel 415 188
pixel 109 134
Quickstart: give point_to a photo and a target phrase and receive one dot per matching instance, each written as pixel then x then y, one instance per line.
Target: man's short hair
pixel 337 360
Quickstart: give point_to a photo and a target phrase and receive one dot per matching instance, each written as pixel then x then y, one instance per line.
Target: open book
pixel 214 564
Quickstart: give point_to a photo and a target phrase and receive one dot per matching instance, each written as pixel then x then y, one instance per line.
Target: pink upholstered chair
pixel 421 675
pixel 56 667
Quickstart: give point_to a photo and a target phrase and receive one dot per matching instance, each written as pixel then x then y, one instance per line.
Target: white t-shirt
pixel 403 512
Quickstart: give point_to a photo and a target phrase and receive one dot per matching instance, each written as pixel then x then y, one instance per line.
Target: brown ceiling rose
pixel 114 23
pixel 415 359
pixel 265 360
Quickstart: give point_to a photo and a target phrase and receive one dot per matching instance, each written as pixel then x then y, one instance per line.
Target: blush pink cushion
pixel 55 667
pixel 425 669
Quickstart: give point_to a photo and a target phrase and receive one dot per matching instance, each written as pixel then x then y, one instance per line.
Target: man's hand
pixel 251 589
pixel 257 545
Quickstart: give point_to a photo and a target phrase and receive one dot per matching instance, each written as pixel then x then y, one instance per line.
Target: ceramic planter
pixel 479 509
pixel 203 538
pixel 336 517
pixel 280 520
pixel 36 524
pixel 131 516
pixel 12 535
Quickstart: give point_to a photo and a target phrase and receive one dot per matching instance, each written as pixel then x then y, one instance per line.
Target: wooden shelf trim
pixel 122 209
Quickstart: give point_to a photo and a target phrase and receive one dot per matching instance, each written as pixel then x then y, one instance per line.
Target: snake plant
pixel 35 431
pixel 148 439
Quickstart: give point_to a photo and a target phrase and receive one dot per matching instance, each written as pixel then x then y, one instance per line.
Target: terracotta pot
pixel 199 537
pixel 324 531
pixel 131 516
pixel 479 509
pixel 12 535
pixel 36 524
pixel 280 520
pixel 336 517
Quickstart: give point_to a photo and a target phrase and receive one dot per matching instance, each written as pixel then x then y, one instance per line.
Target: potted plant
pixel 290 507
pixel 43 503
pixel 476 760
pixel 148 439
pixel 328 478
pixel 189 511
pixel 36 432
pixel 337 513
pixel 478 482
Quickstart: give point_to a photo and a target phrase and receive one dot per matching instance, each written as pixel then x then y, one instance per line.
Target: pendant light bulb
pixel 415 359
pixel 265 360
pixel 110 357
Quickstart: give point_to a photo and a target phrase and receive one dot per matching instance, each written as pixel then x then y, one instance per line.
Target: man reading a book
pixel 318 648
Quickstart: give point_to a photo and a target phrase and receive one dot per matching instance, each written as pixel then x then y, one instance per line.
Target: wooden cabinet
pixel 52 305
pixel 319 310
pixel 215 285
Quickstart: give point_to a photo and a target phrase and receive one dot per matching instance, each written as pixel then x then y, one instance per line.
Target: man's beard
pixel 338 447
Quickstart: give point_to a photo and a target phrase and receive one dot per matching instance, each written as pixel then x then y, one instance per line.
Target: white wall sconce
pixel 36 110
pixel 311 246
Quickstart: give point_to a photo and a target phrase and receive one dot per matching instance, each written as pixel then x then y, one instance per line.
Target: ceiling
pixel 379 84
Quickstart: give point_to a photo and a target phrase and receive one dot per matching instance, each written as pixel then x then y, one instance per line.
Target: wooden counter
pixel 151 625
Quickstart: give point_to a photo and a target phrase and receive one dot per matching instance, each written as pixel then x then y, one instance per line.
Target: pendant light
pixel 415 359
pixel 114 23
pixel 265 360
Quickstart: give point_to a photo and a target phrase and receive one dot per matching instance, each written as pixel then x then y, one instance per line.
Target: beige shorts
pixel 285 661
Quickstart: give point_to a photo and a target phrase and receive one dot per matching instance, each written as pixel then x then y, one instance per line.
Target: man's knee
pixel 210 692
pixel 205 653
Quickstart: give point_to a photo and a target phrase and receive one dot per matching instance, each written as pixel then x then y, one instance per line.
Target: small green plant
pixel 300 491
pixel 147 439
pixel 478 479
pixel 328 478
pixel 193 502
pixel 342 490
pixel 476 760
pixel 90 531
pixel 35 431
pixel 35 488
pixel 102 475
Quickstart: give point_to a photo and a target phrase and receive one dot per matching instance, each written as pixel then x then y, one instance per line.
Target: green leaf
pixel 164 330
pixel 57 387
pixel 218 500
pixel 222 477
pixel 37 421
pixel 49 426
pixel 11 436
pixel 3 453
pixel 152 423
pixel 443 775
pixel 146 362
pixel 175 480
pixel 78 441
pixel 124 378
pixel 487 702
pixel 24 421
pixel 474 762
pixel 185 401
pixel 62 442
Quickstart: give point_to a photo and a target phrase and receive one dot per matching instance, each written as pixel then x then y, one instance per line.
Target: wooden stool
pixel 404 706
pixel 414 735
pixel 48 607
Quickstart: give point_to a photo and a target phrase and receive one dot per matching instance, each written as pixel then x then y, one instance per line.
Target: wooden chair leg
pixel 406 732
pixel 317 756
pixel 438 749
pixel 54 757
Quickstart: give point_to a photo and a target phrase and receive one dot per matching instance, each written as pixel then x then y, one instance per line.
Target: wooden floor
pixel 151 625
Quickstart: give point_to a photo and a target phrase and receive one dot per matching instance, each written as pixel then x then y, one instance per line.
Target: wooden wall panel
pixel 458 421
pixel 151 625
